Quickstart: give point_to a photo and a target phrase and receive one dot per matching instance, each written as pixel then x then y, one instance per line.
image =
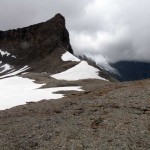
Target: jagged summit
pixel 32 43
pixel 59 17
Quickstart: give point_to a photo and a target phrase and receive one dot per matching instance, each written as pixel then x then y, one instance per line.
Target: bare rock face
pixel 35 42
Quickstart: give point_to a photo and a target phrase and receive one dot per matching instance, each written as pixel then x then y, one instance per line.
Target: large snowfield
pixel 16 91
pixel 81 71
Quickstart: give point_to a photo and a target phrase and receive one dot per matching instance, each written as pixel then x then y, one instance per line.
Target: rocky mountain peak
pixel 40 47
pixel 59 17
pixel 35 42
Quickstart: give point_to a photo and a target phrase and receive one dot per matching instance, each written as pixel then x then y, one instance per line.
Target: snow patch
pixel 24 73
pixel 6 68
pixel 13 72
pixel 69 57
pixel 6 53
pixel 18 91
pixel 13 56
pixel 81 71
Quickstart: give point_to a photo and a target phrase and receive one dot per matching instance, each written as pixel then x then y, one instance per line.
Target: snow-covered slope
pixel 69 57
pixel 7 70
pixel 40 56
pixel 15 72
pixel 4 67
pixel 17 91
pixel 81 71
pixel 5 53
pixel 22 90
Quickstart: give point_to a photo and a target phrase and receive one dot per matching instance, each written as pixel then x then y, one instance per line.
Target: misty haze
pixel 74 75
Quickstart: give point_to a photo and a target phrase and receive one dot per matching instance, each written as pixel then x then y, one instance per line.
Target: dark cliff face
pixel 35 42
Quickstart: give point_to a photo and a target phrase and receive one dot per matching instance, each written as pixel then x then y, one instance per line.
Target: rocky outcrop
pixel 35 42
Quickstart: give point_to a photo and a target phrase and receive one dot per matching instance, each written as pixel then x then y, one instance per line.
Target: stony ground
pixel 106 116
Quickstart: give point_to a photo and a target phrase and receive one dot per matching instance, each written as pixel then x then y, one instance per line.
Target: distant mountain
pixel 131 70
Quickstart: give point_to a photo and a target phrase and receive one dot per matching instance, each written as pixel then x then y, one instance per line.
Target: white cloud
pixel 117 29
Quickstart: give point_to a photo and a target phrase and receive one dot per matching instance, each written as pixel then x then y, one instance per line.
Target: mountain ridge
pixel 131 70
pixel 35 41
pixel 91 112
pixel 39 47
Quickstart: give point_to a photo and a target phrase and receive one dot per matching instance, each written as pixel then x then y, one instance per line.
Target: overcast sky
pixel 116 29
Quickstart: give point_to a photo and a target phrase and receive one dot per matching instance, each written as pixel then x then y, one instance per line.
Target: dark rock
pixel 96 123
pixel 33 43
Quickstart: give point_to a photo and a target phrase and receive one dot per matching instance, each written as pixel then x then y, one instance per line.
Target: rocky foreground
pixel 105 116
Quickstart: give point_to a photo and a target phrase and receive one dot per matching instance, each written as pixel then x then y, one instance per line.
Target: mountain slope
pixel 131 70
pixel 37 48
pixel 31 46
pixel 43 53
pixel 36 41
pixel 92 113
pixel 105 116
